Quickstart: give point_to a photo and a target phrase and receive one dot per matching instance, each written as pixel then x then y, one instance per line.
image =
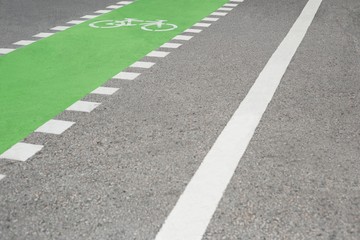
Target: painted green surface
pixel 39 81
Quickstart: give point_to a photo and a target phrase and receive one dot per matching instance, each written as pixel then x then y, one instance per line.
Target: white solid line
pixel 21 151
pixel 6 50
pixel 60 28
pixel 192 30
pixel 114 6
pixel 219 14
pixel 89 16
pixel 225 9
pixel 105 90
pixel 124 2
pixel 157 54
pixel 183 37
pixel 171 45
pixel 55 126
pixel 210 19
pixel 126 75
pixel 83 106
pixel 43 35
pixel 103 11
pixel 2 176
pixel 140 64
pixel 24 42
pixel 202 24
pixel 230 5
pixel 193 211
pixel 76 21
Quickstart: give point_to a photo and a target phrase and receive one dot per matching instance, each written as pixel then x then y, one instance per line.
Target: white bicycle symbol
pixel 157 26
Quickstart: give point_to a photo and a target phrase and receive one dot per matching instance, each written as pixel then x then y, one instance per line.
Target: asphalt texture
pixel 118 172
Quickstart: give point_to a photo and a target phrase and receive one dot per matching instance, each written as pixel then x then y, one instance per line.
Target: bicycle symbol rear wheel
pixel 107 24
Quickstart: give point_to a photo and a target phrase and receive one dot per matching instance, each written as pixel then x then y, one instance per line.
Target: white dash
pixel 21 151
pixel 230 5
pixel 43 35
pixel 209 19
pixel 114 6
pixel 225 9
pixel 6 50
pixel 157 54
pixel 60 28
pixel 83 106
pixel 76 22
pixel 103 11
pixel 238 1
pixel 170 45
pixel 125 2
pixel 105 90
pixel 2 176
pixel 126 75
pixel 197 204
pixel 89 16
pixel 193 30
pixel 24 42
pixel 55 126
pixel 140 64
pixel 219 14
pixel 183 37
pixel 202 25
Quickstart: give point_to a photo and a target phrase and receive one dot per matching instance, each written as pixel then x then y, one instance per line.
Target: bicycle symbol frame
pixel 153 26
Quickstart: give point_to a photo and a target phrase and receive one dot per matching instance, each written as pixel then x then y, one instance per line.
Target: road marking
pixel 60 28
pixel 170 45
pixel 183 37
pixel 124 2
pixel 140 64
pixel 89 16
pixel 76 22
pixel 114 6
pixel 210 19
pixel 159 54
pixel 21 151
pixel 43 35
pixel 225 9
pixel 24 42
pixel 219 14
pixel 55 126
pixel 103 11
pixel 200 24
pixel 126 75
pixel 238 1
pixel 6 50
pixel 83 106
pixel 192 30
pixel 193 211
pixel 105 90
pixel 230 5
pixel 2 176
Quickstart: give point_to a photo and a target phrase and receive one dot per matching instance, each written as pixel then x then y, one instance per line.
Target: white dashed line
pixel 225 9
pixel 6 50
pixel 219 14
pixel 21 151
pixel 124 2
pixel 103 11
pixel 89 16
pixel 60 28
pixel 55 126
pixel 43 35
pixel 183 37
pixel 114 6
pixel 2 176
pixel 76 21
pixel 238 1
pixel 192 30
pixel 105 90
pixel 202 24
pixel 157 54
pixel 193 211
pixel 24 42
pixel 170 45
pixel 140 64
pixel 126 76
pixel 83 106
pixel 210 19
pixel 230 5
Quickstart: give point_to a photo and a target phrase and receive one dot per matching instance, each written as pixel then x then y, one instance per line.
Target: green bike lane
pixel 39 81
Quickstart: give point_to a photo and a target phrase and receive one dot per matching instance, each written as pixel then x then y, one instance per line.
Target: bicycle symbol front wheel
pixel 156 28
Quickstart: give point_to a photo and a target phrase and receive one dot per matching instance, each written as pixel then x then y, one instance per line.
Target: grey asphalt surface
pixel 118 172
